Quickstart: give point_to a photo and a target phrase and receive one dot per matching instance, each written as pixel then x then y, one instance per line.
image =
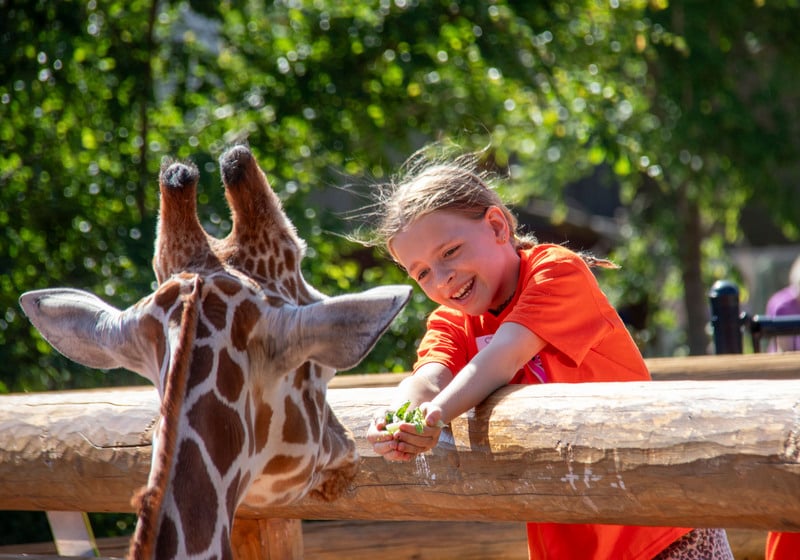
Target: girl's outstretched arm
pixel 511 347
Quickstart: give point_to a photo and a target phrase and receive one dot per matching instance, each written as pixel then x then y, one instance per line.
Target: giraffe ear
pixel 84 328
pixel 339 331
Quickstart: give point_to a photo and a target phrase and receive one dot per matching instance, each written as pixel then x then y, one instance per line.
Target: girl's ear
pixel 497 220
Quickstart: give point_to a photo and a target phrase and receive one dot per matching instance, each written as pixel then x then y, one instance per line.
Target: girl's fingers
pixel 399 456
pixel 433 414
pixel 377 430
pixel 403 443
pixel 379 421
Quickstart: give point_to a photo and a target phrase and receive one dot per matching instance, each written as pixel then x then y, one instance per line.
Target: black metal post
pixel 725 318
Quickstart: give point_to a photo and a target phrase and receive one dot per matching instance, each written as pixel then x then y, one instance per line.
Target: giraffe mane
pixel 149 499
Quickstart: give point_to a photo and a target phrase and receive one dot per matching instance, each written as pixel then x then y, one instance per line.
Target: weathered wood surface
pixel 267 539
pixel 75 450
pixel 719 454
pixel 722 453
pixel 706 368
pixel 726 367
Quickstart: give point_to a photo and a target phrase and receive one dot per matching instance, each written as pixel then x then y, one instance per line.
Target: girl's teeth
pixel 463 292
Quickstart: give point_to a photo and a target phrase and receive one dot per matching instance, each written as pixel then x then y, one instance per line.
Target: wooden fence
pixel 722 450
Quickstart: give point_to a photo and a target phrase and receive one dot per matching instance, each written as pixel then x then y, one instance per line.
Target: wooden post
pixel 267 539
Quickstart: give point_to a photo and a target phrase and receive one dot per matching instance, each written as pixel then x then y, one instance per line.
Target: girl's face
pixel 459 262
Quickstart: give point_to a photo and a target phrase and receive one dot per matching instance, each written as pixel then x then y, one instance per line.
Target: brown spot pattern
pixel 215 310
pixel 302 375
pixel 289 260
pixel 227 286
pixel 195 497
pixel 200 368
pixel 282 464
pixel 167 295
pixel 244 318
pixel 167 544
pixel 221 429
pixel 202 330
pixel 267 248
pixel 227 553
pixel 295 429
pixel 263 421
pixel 295 481
pixel 230 378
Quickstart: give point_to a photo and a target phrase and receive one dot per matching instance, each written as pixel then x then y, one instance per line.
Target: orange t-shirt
pixel 782 546
pixel 559 299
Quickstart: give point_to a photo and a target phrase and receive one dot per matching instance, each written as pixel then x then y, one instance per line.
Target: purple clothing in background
pixel 784 302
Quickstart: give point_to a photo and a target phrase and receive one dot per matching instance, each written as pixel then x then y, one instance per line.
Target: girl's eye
pixel 421 276
pixel 451 251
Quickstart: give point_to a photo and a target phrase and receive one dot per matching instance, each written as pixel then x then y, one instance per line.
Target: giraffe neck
pixel 241 368
pixel 150 499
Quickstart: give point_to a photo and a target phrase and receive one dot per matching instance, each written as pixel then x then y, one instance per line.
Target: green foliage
pixel 404 414
pixel 20 527
pixel 693 122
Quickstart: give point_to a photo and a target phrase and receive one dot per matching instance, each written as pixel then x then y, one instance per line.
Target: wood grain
pixel 697 453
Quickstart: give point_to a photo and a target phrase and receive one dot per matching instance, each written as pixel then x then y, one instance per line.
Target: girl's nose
pixel 443 277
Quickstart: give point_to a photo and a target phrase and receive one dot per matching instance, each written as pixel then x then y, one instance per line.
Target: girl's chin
pixel 472 307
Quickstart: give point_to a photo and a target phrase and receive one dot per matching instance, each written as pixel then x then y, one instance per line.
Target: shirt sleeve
pixel 562 303
pixel 444 341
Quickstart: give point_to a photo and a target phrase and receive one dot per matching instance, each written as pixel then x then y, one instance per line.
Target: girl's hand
pixel 433 414
pixel 404 444
pixel 384 443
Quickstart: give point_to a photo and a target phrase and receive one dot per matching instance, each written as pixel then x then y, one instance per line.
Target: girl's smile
pixel 460 261
pixel 464 292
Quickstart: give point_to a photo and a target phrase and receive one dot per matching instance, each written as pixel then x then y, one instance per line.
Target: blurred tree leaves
pixel 691 106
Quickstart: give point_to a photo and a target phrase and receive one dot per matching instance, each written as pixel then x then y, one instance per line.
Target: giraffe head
pixel 240 349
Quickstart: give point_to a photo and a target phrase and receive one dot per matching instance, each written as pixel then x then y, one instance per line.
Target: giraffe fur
pixel 240 349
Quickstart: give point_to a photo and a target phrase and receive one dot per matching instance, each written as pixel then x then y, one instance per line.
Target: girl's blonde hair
pixel 429 183
pixel 433 180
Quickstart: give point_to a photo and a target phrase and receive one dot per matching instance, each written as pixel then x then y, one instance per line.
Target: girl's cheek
pixel 427 292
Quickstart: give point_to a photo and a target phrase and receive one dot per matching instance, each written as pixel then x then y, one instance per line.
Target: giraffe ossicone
pixel 240 349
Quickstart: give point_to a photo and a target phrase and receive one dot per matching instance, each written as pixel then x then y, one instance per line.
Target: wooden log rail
pixel 693 453
pixel 706 368
pixel 711 454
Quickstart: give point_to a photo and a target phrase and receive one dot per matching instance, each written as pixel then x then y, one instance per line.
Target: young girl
pixel 511 310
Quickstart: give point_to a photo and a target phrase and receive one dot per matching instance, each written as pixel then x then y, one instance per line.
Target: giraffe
pixel 240 349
